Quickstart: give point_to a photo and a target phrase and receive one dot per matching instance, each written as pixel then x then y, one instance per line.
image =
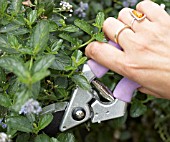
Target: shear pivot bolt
pixel 78 113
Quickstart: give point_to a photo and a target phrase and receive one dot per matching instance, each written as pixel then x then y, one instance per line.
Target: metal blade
pixel 105 92
pixel 53 128
pixel 60 106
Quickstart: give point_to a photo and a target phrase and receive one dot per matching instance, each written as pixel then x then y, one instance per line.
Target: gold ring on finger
pixel 131 24
pixel 116 36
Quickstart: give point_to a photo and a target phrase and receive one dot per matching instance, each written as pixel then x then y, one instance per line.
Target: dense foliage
pixel 41 56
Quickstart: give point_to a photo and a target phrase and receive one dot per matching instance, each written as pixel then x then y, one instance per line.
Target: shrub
pixel 42 52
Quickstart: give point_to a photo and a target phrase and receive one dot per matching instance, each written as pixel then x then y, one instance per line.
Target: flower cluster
pixel 4 137
pixel 66 6
pixel 31 106
pixel 81 11
pixel 2 123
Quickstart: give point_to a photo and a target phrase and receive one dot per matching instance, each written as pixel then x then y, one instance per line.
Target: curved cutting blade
pixel 53 128
pixel 57 110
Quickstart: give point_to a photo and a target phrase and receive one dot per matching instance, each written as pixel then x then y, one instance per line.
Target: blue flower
pixel 31 106
pixel 3 125
pixel 84 6
pixel 129 3
pixel 81 11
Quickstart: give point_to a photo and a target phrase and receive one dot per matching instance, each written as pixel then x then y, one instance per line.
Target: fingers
pixel 146 91
pixel 153 11
pixel 125 17
pixel 126 36
pixel 106 55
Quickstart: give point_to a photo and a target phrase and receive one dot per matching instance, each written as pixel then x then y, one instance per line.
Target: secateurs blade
pixel 87 105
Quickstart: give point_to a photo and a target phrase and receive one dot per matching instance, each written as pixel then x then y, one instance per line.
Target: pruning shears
pixel 85 105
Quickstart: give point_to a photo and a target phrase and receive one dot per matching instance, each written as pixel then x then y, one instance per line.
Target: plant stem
pixel 71 73
pixel 85 43
pixel 58 10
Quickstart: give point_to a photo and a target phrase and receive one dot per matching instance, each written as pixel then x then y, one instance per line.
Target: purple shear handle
pixel 124 89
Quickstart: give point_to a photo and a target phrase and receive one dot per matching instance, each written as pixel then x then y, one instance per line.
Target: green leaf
pixel 13 41
pixel 19 20
pixel 77 54
pixel 16 6
pixel 14 65
pixel 81 81
pixel 20 98
pixel 61 82
pixel 2 77
pixel 13 85
pixel 66 137
pixel 51 97
pixel 40 67
pixel 19 123
pixel 9 28
pixel 36 87
pixel 69 38
pixel 11 132
pixel 40 36
pixel 77 58
pixel 42 138
pixel 99 20
pixel 48 7
pixel 53 26
pixel 108 3
pixel 3 6
pixel 44 121
pixel 62 22
pixel 32 16
pixel 70 28
pixel 32 118
pixel 56 45
pixel 68 68
pixel 137 109
pixel 5 100
pixel 25 50
pixel 40 75
pixel 4 46
pixel 3 42
pixel 54 140
pixel 100 37
pixel 61 61
pixel 82 61
pixel 63 92
pixel 23 137
pixel 96 6
pixel 43 63
pixel 83 25
pixel 45 138
pixel 20 31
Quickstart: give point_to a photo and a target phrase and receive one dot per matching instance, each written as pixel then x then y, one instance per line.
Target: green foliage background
pixel 42 54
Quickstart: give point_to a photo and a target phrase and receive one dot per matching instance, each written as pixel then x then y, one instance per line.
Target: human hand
pixel 145 58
